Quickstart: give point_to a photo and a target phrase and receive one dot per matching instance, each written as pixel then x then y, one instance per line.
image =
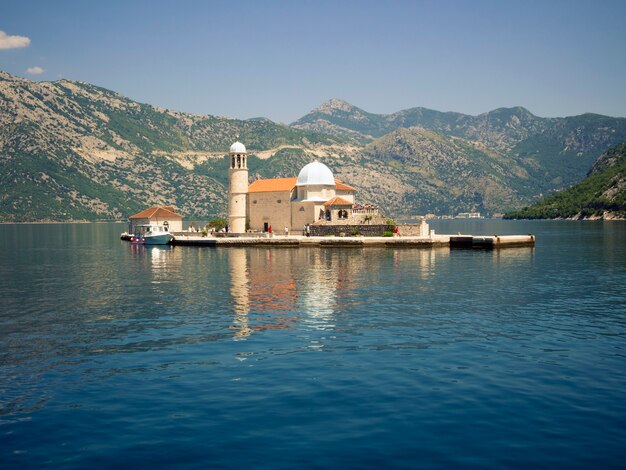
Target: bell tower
pixel 237 188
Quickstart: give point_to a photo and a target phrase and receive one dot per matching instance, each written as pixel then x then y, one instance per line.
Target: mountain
pixel 447 174
pixel 70 150
pixel 601 195
pixel 339 118
pixel 555 152
pixel 74 151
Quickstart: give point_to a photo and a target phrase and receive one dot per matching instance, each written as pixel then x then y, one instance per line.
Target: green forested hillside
pixel 602 194
pixel 74 151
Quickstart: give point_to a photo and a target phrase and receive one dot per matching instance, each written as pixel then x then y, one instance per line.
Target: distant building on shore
pixel 468 215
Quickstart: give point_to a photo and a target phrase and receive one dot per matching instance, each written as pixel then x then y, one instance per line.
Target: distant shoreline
pixel 56 222
pixel 43 222
pixel 607 216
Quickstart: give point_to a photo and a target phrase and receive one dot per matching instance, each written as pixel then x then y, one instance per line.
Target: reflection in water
pixel 516 347
pixel 510 256
pixel 272 280
pixel 277 289
pixel 319 290
pixel 263 289
pixel 240 291
pixel 163 260
pixel 423 259
pixel 273 289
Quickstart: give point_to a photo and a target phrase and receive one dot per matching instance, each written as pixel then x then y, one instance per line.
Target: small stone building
pixel 157 215
pixel 337 208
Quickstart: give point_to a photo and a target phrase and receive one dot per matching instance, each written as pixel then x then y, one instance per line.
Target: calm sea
pixel 114 355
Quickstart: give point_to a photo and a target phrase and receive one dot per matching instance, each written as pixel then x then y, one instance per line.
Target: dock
pixel 299 241
pixel 490 242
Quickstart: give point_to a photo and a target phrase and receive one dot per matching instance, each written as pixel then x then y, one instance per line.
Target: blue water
pixel 114 355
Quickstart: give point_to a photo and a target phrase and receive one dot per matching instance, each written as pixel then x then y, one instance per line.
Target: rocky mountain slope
pixel 601 195
pixel 555 152
pixel 447 173
pixel 71 150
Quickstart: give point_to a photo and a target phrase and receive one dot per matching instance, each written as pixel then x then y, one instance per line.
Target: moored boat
pixel 152 235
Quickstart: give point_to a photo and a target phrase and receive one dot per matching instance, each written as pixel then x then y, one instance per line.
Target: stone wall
pixel 271 207
pixel 421 230
pixel 349 230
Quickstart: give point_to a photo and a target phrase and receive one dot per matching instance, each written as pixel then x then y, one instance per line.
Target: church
pixel 313 196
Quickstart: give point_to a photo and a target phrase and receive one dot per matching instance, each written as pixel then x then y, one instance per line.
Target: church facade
pixel 312 196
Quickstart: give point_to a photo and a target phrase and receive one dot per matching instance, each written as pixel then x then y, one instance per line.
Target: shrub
pixel 388 234
pixel 217 224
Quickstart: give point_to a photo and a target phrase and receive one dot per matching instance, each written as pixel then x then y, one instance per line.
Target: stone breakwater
pixel 296 241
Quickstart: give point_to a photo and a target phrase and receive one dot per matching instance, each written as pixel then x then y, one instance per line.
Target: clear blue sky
pixel 280 59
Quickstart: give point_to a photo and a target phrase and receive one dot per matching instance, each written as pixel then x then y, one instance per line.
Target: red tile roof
pixel 274 184
pixel 340 186
pixel 338 201
pixel 286 184
pixel 161 212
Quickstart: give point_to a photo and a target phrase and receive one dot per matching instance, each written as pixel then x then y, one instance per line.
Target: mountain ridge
pixel 556 151
pixel 71 151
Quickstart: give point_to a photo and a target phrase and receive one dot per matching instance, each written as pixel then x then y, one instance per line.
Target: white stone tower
pixel 237 188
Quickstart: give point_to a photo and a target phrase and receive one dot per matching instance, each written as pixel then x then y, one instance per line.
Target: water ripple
pixel 314 358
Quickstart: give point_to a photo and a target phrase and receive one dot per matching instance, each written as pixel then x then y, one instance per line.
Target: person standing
pixel 286 231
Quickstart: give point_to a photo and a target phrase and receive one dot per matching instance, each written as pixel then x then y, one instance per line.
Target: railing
pixel 371 210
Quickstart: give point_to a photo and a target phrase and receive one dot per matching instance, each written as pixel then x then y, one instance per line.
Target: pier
pixel 490 242
pixel 298 241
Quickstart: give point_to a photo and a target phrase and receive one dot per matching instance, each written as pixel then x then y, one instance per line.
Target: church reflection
pixel 274 289
pixel 239 291
pixel 263 290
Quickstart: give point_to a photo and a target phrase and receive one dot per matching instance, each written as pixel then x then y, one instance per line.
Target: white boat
pixel 152 235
